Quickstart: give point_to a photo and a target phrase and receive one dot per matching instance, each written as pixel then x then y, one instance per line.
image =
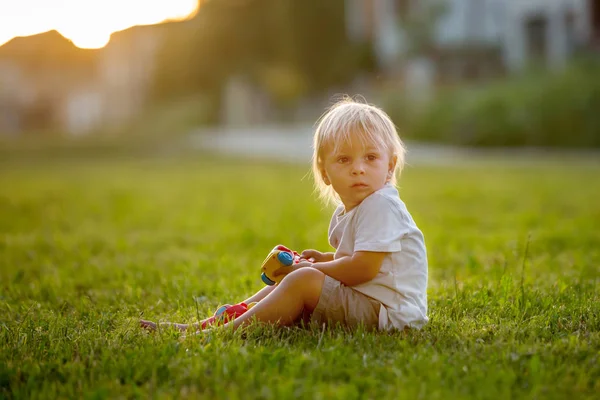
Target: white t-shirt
pixel 381 223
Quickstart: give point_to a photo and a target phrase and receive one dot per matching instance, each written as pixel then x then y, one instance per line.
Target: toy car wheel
pixel 266 279
pixel 285 258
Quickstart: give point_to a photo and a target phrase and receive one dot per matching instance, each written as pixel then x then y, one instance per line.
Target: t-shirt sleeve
pixel 379 226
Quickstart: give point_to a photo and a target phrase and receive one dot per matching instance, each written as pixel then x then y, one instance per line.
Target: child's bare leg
pixel 261 294
pixel 299 291
pixel 152 326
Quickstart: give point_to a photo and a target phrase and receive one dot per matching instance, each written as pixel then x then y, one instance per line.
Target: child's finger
pixel 303 264
pixel 308 254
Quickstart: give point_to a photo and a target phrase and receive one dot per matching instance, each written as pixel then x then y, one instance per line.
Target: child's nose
pixel 358 168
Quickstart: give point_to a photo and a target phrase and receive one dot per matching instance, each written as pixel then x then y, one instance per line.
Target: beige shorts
pixel 341 303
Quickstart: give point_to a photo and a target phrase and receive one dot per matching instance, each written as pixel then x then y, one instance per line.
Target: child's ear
pixel 324 176
pixel 392 166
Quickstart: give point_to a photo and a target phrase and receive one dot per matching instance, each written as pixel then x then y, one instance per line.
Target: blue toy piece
pixel 266 280
pixel 221 310
pixel 285 258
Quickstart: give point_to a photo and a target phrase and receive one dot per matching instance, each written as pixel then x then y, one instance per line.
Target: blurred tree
pixel 319 42
pixel 287 47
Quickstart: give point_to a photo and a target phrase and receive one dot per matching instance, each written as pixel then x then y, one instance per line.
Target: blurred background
pixel 256 74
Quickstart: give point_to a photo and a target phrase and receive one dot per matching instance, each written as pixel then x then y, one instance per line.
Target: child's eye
pixel 342 160
pixel 371 157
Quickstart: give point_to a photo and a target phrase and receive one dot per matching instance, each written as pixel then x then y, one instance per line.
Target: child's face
pixel 356 170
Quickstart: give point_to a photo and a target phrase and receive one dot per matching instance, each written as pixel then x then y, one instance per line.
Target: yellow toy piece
pixel 279 257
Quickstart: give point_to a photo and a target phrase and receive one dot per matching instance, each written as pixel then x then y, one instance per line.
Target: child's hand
pixel 314 255
pixel 292 268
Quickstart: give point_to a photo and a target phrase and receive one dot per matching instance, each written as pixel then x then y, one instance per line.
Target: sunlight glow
pixel 88 23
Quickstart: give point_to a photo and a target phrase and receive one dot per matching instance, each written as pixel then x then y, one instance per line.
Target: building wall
pixel 10 98
pixel 474 21
pixel 82 111
pixel 125 73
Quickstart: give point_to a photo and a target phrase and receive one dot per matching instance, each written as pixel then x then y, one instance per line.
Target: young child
pixel 377 276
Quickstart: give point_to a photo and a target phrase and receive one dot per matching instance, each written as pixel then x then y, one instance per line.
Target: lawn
pixel 89 246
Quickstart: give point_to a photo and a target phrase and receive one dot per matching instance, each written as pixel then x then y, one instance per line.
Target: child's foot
pixel 148 325
pixel 152 326
pixel 223 315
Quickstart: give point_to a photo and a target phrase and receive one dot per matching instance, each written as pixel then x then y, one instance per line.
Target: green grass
pixel 89 246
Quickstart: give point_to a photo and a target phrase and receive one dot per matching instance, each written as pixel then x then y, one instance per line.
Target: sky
pixel 87 23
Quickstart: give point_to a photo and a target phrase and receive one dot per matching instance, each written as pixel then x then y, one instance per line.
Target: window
pixel 536 28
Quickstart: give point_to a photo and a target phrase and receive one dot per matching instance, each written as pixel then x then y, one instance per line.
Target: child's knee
pixel 305 276
pixel 306 283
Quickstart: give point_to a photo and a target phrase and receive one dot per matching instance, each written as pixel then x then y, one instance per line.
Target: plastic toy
pixel 226 313
pixel 279 257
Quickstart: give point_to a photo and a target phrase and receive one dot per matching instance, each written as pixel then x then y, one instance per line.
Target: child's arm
pixel 360 267
pixel 317 255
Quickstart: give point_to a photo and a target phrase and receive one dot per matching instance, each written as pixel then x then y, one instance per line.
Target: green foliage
pixel 538 109
pixel 88 246
pixel 287 47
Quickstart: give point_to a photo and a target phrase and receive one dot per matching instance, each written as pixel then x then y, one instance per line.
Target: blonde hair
pixel 348 117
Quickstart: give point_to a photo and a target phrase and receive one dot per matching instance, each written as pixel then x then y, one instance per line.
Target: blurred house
pixel 547 30
pixel 48 84
pixel 472 39
pixel 37 75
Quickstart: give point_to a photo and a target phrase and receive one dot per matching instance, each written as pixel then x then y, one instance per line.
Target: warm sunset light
pixel 85 22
